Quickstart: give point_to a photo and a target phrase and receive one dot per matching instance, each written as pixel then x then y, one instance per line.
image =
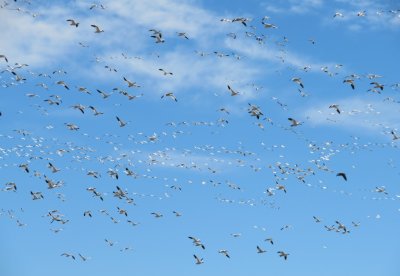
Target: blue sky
pixel 205 155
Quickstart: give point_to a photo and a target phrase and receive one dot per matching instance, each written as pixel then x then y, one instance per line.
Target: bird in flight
pixel 294 122
pixel 4 57
pixel 157 35
pixel 260 250
pixel 298 81
pixel 335 107
pixel 224 252
pixel 342 174
pixel 97 29
pixel 283 254
pixel 233 92
pixel 198 260
pixel 68 255
pixel 131 83
pixel 121 122
pixel 171 95
pixel 72 22
pixel 351 82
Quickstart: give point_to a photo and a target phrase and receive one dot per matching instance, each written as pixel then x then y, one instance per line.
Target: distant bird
pixel 233 92
pixel 361 13
pixel 83 257
pixel 316 219
pixel 73 22
pixel 80 107
pixel 378 85
pixel 71 126
pixel 351 82
pixel 110 243
pixel 10 186
pixel 336 107
pixel 122 211
pixel 156 215
pixel 241 20
pixel 269 240
pixel 260 250
pixel 68 255
pixel 182 34
pixel 165 72
pixel 381 189
pixel 53 168
pixel 224 252
pixel 341 226
pixel 121 122
pixel 4 57
pixel 197 242
pixel 103 94
pixel 283 254
pixel 97 29
pixel 281 187
pixel 157 35
pixel 395 137
pixel 337 14
pixel 87 213
pixel 95 111
pixel 36 195
pixel 25 167
pixel 177 213
pixel 130 83
pixel 198 260
pixel 62 83
pixel 298 81
pixel 269 26
pixel 171 95
pixel 342 174
pixel 294 122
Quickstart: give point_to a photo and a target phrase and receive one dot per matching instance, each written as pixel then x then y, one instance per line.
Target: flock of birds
pixel 40 156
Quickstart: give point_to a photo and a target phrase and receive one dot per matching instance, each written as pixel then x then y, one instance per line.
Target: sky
pixel 259 129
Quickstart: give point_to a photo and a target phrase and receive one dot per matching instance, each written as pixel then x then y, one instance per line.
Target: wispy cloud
pixel 294 6
pixel 356 113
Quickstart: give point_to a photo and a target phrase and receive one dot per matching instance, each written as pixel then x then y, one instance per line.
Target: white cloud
pixel 356 113
pixel 294 6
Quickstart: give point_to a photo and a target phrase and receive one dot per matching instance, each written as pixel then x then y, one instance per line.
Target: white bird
pixel 298 81
pixel 95 111
pixel 197 242
pixel 294 122
pixel 103 94
pixel 73 22
pixel 121 122
pixel 171 95
pixel 198 260
pixel 337 14
pixel 182 34
pixel 130 83
pixel 97 29
pixel 351 82
pixel 62 83
pixel 157 215
pixel 71 126
pixel 260 250
pixel 36 195
pixel 4 57
pixel 233 92
pixel 336 107
pixel 283 254
pixel 224 252
pixel 157 35
pixel 165 72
